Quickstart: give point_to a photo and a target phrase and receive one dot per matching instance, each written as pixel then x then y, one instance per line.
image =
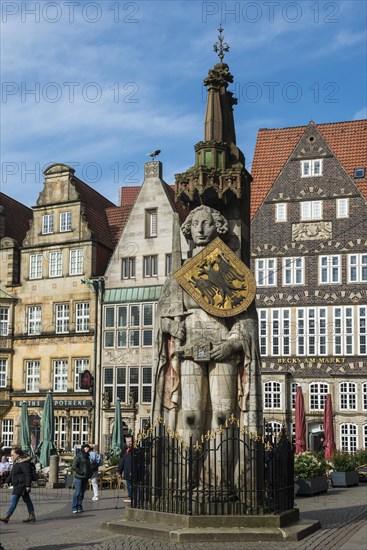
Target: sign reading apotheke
pixel 58 403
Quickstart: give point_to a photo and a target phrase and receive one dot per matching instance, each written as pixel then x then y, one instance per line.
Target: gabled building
pixel 134 278
pixel 55 318
pixel 14 223
pixel 309 254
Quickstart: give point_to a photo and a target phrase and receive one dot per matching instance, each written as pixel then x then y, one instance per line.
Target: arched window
pixel 348 437
pixel 364 396
pixel 272 395
pixel 272 428
pixel 348 396
pixel 318 392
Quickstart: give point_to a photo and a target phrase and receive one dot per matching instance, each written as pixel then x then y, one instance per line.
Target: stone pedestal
pixel 53 476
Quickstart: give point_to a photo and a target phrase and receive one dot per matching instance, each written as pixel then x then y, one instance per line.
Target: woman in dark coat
pixel 125 466
pixel 21 479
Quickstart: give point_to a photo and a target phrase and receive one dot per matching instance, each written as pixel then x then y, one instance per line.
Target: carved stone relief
pixel 311 231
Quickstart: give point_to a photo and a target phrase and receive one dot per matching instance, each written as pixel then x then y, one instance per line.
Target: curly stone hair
pixel 220 221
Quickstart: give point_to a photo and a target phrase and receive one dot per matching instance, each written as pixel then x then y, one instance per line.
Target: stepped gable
pixel 17 218
pixel 347 140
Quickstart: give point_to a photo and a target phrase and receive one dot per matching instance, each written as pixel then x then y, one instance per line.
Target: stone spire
pixel 219 123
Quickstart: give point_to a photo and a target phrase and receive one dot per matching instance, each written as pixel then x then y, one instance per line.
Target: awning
pixel 133 294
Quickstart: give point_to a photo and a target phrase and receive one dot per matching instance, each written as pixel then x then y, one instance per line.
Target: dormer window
pixel 359 173
pixel 311 168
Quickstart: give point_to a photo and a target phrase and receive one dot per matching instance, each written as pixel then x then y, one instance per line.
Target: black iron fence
pixel 230 472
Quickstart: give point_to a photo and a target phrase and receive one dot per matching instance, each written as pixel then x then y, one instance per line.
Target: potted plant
pixel 310 474
pixel 343 466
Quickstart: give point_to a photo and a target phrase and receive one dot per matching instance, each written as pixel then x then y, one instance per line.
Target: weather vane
pixel 221 47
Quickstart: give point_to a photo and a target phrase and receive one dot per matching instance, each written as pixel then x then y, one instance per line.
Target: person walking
pixel 83 472
pixel 125 467
pixel 95 462
pixel 21 479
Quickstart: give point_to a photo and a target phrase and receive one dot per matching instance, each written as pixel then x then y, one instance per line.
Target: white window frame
pixel 293 271
pixel 311 168
pixel 79 430
pixel 33 370
pixel 317 395
pixel 151 223
pixel 34 320
pixel 365 436
pixel 168 265
pixel 55 264
pixel 128 267
pixel 60 368
pixel 4 321
pixel 280 332
pixel 48 224
pixel 82 317
pixel 76 261
pixel 150 264
pixel 80 365
pixel 330 269
pixel 311 210
pixel 134 385
pixel 120 374
pixel 364 396
pixel 348 396
pixel 147 372
pixel 349 437
pixel 60 432
pixel 343 332
pixel 264 331
pixel 272 395
pixel 7 432
pixel 62 318
pixel 293 391
pixel 272 428
pixel 65 221
pixel 342 208
pixel 266 271
pixel 357 268
pixel 281 212
pixel 35 266
pixel 362 330
pixel 3 372
pixel 312 331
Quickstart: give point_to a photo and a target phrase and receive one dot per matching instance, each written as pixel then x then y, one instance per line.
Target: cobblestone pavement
pixel 342 513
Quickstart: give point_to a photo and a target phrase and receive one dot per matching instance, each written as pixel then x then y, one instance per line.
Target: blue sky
pixel 115 80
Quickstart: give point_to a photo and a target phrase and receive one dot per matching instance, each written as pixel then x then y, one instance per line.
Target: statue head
pixel 203 224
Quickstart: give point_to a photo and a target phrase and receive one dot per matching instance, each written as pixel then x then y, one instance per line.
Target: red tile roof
pixel 117 218
pixel 347 140
pixel 128 195
pixel 17 218
pixel 95 210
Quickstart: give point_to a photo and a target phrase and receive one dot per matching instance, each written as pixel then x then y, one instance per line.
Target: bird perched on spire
pixel 154 154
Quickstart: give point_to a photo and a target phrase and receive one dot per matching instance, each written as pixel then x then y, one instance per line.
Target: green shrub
pixel 361 457
pixel 342 461
pixel 308 466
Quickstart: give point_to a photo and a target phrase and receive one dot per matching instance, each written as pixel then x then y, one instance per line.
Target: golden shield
pixel 217 280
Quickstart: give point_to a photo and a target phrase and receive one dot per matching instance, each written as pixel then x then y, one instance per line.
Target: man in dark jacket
pixel 21 479
pixel 125 466
pixel 83 472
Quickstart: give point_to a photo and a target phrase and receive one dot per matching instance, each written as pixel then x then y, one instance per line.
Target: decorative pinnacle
pixel 221 47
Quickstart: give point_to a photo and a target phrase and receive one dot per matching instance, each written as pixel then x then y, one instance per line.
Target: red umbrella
pixel 329 442
pixel 300 422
